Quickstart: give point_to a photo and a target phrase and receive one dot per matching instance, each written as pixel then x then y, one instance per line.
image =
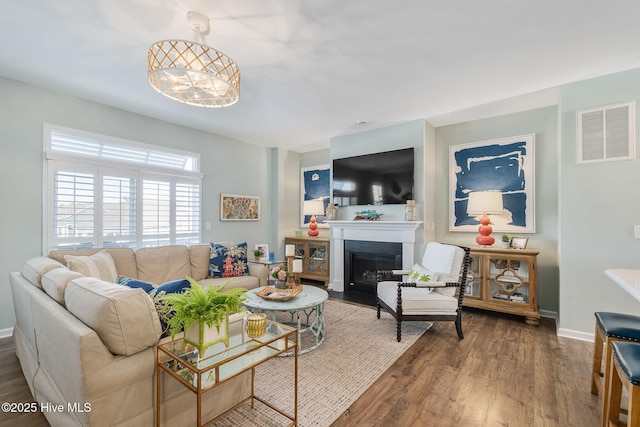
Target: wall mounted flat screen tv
pixel 374 179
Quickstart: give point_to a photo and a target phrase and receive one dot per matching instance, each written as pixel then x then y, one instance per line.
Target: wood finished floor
pixel 504 373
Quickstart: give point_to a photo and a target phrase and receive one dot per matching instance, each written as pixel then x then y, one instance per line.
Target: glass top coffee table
pixel 305 311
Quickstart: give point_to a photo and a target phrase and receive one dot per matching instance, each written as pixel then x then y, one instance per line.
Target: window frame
pixel 100 167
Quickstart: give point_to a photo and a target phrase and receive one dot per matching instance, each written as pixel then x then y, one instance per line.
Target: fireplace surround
pixel 403 232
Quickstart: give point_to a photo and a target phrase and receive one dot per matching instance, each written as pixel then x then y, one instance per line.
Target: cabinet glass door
pixel 474 284
pixel 509 280
pixel 299 250
pixel 318 258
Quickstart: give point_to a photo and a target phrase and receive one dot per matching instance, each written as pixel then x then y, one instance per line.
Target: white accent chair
pixel 432 300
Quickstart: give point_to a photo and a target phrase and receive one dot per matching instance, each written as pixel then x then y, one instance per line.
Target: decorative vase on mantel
pixel 202 336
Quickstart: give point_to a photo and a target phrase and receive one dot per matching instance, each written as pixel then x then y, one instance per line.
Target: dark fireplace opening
pixel 362 260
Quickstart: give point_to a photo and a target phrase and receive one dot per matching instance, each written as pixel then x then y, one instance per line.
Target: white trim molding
pixel 6 333
pixel 372 231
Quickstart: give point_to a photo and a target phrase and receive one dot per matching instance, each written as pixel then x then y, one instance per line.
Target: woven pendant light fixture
pixel 192 72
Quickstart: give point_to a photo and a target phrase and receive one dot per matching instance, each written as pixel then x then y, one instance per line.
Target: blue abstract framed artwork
pixel 315 184
pixel 505 165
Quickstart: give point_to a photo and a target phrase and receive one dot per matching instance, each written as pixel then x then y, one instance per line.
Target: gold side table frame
pixel 220 364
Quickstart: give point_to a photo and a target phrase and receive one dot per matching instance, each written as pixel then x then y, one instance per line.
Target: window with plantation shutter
pixel 606 133
pixel 187 211
pixel 156 212
pixel 107 192
pixel 119 203
pixel 74 207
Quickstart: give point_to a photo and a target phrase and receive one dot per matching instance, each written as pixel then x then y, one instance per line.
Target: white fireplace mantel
pixel 373 231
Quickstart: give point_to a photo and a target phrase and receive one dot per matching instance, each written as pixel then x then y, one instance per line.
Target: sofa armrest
pixel 260 271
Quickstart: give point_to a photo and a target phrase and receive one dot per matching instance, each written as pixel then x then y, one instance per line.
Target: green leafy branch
pixel 195 304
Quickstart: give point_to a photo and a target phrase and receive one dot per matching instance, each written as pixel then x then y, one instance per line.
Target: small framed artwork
pixel 236 207
pixel 518 242
pixel 264 252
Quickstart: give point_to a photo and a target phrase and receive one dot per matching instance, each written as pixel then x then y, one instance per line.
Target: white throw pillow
pixel 419 274
pixel 100 266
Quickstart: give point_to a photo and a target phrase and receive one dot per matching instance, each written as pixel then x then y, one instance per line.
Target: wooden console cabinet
pixel 314 252
pixel 504 280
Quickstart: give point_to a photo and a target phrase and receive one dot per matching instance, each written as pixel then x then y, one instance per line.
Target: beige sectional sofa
pixel 90 345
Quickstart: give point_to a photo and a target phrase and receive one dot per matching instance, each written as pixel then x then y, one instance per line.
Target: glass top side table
pixel 305 312
pixel 219 363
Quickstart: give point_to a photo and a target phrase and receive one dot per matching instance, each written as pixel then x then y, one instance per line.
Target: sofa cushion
pixel 125 319
pixel 55 283
pixel 124 258
pixel 99 265
pixel 161 264
pixel 246 282
pixel 228 261
pixel 199 255
pixel 35 268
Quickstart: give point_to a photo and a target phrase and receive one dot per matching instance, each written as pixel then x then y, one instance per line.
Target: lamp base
pixel 485 238
pixel 313 227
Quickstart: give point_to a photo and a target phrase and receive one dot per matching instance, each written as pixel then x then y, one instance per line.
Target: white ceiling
pixel 312 69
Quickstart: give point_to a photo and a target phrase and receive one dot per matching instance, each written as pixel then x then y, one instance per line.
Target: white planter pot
pixel 202 336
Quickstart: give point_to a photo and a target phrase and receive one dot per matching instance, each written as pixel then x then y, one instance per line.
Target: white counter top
pixel 629 280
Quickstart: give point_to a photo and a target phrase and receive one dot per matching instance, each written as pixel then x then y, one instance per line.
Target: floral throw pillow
pixel 228 262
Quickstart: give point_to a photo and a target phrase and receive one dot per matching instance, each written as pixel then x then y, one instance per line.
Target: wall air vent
pixel 606 133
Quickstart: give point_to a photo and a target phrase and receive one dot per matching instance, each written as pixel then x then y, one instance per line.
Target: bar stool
pixel 610 327
pixel 625 372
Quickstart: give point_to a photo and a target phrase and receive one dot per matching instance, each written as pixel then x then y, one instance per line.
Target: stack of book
pixel 516 297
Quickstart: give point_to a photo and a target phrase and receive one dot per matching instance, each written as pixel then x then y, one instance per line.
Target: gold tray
pixel 275 294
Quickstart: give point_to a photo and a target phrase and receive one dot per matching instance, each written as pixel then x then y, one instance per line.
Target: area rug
pixel 357 350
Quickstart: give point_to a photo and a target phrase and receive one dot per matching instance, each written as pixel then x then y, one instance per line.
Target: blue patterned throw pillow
pixel 134 283
pixel 172 287
pixel 228 262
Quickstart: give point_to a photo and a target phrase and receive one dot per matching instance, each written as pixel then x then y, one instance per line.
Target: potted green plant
pixel 505 241
pixel 203 314
pixel 257 253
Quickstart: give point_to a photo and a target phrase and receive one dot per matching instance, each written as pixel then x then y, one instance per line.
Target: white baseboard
pixel 567 333
pixel 6 333
pixel 550 314
pixel 576 335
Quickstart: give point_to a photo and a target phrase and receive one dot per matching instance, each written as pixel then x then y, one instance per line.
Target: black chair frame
pixel 400 317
